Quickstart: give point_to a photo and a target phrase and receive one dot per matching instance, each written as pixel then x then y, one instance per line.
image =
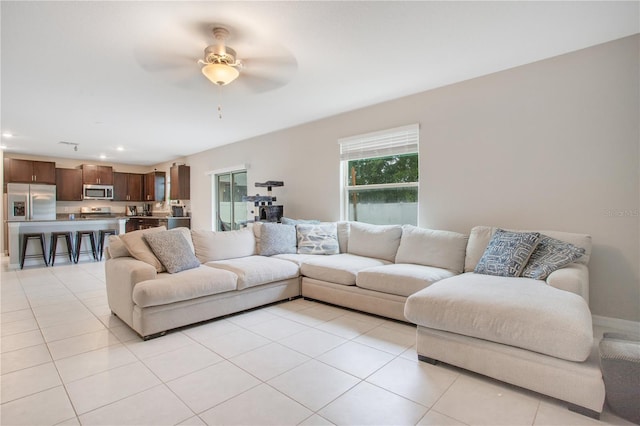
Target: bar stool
pixel 102 235
pixel 54 245
pixel 25 241
pixel 92 240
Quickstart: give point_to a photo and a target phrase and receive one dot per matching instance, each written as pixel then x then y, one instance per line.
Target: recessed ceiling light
pixel 102 156
pixel 120 148
pixel 3 147
pixel 7 134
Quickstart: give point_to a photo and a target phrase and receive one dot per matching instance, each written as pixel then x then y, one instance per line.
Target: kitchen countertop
pixel 157 217
pixel 66 219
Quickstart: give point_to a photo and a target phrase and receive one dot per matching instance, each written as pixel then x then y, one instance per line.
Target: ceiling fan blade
pixel 264 74
pixel 258 83
pixel 171 65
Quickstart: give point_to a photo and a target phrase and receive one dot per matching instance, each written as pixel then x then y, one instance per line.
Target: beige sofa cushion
pixel 139 249
pixel 338 268
pixel 210 245
pixel 520 312
pixel 400 279
pixel 296 258
pixel 186 285
pixel 377 241
pixel 256 270
pixel 116 248
pixel 481 235
pixel 442 249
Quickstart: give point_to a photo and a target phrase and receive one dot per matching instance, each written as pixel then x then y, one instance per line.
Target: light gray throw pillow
pixel 172 250
pixel 277 238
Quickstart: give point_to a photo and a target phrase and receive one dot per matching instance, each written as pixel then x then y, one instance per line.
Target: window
pixel 229 190
pixel 380 176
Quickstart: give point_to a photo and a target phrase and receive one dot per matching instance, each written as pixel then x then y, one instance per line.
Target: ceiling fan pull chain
pixel 220 102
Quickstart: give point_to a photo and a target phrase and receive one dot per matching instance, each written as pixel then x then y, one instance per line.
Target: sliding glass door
pixel 231 210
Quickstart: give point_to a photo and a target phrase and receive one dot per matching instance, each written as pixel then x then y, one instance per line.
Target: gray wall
pixel 549 145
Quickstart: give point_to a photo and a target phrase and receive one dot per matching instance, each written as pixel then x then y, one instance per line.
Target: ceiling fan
pixel 264 65
pixel 220 64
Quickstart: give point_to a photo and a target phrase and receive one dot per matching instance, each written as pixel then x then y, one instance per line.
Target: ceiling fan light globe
pixel 220 74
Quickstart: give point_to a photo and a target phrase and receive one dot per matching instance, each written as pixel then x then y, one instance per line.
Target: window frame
pixel 399 147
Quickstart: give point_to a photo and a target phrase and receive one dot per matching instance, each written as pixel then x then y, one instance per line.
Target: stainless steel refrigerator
pixel 31 202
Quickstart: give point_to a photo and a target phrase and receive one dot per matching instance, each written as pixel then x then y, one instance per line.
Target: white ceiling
pixel 96 73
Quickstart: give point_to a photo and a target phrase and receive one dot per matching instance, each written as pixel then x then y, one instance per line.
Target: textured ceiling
pixel 124 74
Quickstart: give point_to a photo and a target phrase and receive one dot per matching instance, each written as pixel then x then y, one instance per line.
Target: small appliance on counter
pixel 178 211
pixel 132 211
pixel 146 209
pixel 31 202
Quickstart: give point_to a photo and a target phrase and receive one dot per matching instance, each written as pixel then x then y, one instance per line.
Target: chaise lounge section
pixel 532 333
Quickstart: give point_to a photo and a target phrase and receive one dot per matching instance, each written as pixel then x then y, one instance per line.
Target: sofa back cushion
pixel 210 245
pixel 481 235
pixel 139 249
pixel 116 248
pixel 377 241
pixel 428 247
pixel 343 236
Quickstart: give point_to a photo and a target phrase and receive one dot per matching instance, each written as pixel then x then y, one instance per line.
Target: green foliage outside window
pixel 384 170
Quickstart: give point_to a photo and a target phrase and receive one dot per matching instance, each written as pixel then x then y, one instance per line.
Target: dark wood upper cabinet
pixel 28 171
pixel 128 186
pixel 97 175
pixel 180 188
pixel 154 186
pixel 69 184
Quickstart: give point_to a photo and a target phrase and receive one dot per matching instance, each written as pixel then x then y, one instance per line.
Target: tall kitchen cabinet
pixel 154 186
pixel 180 182
pixel 97 175
pixel 69 184
pixel 128 186
pixel 28 171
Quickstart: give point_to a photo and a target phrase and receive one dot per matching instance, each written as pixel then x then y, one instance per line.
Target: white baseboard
pixel 617 324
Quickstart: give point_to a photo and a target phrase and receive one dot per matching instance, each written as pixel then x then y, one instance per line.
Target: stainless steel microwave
pixel 97 192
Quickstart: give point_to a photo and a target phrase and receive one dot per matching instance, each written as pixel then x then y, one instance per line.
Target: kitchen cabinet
pixel 180 182
pixel 145 222
pixel 128 186
pixel 97 175
pixel 154 186
pixel 69 184
pixel 28 171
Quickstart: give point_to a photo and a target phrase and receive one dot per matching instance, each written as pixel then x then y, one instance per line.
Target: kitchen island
pixel 17 228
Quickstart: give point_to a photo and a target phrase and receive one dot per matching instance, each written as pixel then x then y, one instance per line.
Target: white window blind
pixel 396 141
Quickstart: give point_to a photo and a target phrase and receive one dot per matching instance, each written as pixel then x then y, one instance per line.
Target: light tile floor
pixel 66 360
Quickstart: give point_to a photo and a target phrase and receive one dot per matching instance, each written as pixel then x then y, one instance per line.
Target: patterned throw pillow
pixel 507 253
pixel 549 255
pixel 277 238
pixel 318 239
pixel 173 251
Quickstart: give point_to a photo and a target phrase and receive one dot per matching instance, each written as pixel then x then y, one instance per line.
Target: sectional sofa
pixel 532 332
